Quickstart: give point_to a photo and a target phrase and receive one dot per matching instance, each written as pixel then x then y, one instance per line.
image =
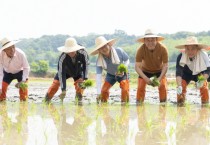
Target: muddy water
pixel 105 124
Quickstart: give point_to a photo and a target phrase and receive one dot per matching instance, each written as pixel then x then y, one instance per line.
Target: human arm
pixel 164 54
pixel 163 71
pixel 26 68
pixel 179 73
pixel 138 66
pixel 85 64
pixel 62 71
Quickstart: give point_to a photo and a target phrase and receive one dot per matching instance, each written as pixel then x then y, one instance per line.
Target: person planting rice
pixel 13 65
pixel 73 63
pixel 151 65
pixel 109 58
pixel 192 65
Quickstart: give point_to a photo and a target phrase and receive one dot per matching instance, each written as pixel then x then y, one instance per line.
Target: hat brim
pixel 70 49
pixel 110 42
pixel 159 38
pixel 10 44
pixel 201 46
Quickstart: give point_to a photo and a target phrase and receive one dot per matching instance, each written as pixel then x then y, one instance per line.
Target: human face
pixel 105 50
pixel 10 51
pixel 72 54
pixel 191 50
pixel 150 42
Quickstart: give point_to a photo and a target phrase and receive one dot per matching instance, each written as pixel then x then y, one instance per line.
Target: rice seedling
pixel 122 68
pixel 23 85
pixel 200 81
pixel 155 81
pixel 86 84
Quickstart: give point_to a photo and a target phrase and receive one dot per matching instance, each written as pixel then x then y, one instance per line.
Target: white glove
pixel 179 90
pixel 199 84
pixel 62 95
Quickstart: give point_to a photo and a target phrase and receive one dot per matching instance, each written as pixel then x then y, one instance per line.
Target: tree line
pixel 43 55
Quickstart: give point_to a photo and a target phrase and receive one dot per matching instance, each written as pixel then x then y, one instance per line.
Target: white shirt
pixel 14 65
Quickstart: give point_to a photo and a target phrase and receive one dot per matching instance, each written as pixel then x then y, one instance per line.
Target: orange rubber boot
pixel 23 94
pixel 163 90
pixel 105 91
pixel 181 98
pixel 124 85
pixel 141 90
pixel 52 90
pixel 79 91
pixel 4 91
pixel 204 93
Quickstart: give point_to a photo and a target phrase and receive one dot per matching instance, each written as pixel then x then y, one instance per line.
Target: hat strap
pixel 6 43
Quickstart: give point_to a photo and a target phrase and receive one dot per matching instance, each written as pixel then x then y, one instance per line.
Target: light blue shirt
pixel 112 68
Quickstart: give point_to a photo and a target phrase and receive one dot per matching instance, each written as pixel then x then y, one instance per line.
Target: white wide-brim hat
pixel 191 41
pixel 150 34
pixel 70 46
pixel 100 42
pixel 5 42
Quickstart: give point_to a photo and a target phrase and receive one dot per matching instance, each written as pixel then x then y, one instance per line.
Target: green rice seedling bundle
pixel 86 84
pixel 122 68
pixel 155 81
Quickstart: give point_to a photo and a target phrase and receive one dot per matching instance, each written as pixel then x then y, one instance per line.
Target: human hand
pixel 120 74
pixel 21 84
pixel 0 91
pixel 98 98
pixel 199 84
pixel 148 81
pixel 155 81
pixel 62 95
pixel 17 85
pixel 179 90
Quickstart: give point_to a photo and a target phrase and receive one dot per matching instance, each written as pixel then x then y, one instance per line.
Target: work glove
pixel 199 84
pixel 62 95
pixel 179 90
pixel 81 85
pixel 98 98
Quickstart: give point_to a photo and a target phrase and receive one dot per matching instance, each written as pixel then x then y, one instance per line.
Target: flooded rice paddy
pixel 36 123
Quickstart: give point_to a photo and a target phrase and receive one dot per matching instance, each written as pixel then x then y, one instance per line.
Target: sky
pixel 34 18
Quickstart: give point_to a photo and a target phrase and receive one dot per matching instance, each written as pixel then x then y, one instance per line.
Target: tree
pixel 43 66
pixel 34 67
pixel 40 68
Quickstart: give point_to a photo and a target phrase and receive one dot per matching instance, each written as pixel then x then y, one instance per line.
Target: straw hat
pixel 150 34
pixel 5 42
pixel 100 42
pixel 70 46
pixel 191 41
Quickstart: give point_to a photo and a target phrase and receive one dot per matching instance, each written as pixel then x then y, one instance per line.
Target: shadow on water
pixel 104 124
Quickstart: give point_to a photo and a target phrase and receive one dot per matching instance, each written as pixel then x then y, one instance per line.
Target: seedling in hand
pixel 86 84
pixel 200 81
pixel 121 69
pixel 155 81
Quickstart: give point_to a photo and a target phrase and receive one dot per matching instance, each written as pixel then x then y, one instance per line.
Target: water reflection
pixel 105 124
pixel 151 124
pixel 13 128
pixel 113 126
pixel 192 126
